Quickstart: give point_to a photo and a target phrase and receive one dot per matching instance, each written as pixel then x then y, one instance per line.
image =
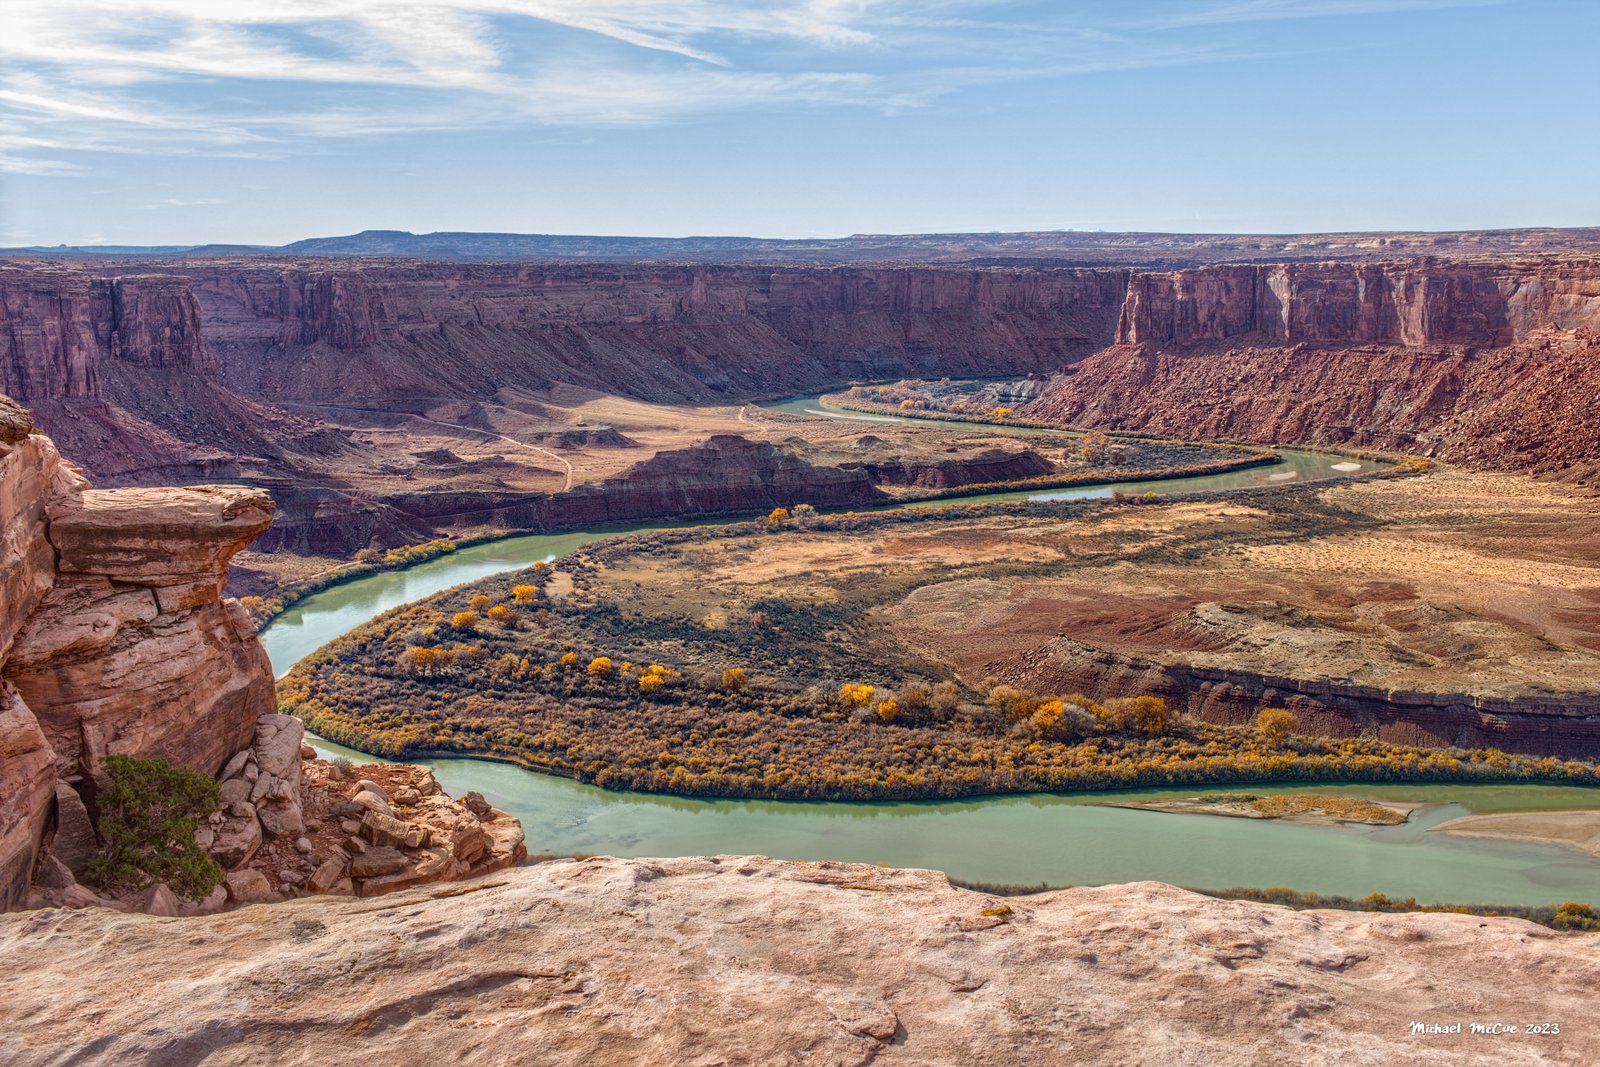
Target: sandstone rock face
pixel 1406 303
pixel 51 349
pixel 989 465
pixel 132 651
pixel 1525 407
pixel 754 961
pixel 73 843
pixel 60 326
pixel 1489 364
pixel 656 332
pixel 27 783
pixel 724 475
pixel 112 634
pixel 29 469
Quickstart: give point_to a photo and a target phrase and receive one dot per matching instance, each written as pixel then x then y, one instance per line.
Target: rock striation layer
pixel 1425 302
pixel 755 961
pixel 384 334
pixel 1488 364
pixel 113 634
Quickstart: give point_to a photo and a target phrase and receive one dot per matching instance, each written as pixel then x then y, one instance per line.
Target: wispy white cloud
pixel 254 78
pixel 1235 11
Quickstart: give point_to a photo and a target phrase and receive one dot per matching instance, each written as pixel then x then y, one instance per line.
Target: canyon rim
pixel 714 533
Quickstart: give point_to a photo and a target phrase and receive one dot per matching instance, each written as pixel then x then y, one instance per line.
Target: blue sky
pixel 179 121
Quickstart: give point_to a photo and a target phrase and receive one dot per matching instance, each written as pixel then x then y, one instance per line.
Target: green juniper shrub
pixel 148 820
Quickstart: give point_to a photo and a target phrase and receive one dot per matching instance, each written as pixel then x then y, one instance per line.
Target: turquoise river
pixel 1024 840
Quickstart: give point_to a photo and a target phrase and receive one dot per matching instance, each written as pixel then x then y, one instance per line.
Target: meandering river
pixel 1055 838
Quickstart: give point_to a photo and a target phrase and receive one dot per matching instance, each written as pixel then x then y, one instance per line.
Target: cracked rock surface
pixel 737 960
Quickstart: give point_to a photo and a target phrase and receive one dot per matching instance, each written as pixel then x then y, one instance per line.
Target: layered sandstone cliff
pixel 754 961
pixel 386 334
pixel 1486 364
pixel 62 325
pixel 113 637
pixel 118 370
pixel 1409 303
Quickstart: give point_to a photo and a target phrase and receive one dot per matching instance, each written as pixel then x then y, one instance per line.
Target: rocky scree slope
pixel 755 961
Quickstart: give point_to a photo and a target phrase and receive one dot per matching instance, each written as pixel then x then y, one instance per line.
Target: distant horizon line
pixel 371 233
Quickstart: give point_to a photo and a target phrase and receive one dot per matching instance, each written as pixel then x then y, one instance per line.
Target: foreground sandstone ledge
pixel 756 961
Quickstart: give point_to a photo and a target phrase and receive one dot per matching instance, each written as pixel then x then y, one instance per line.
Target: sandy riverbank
pixel 1302 808
pixel 1571 829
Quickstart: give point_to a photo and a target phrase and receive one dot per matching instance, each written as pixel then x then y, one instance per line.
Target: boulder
pixel 235 841
pixel 276 789
pixel 449 825
pixel 248 887
pixel 235 791
pixel 327 874
pixel 159 901
pixel 381 829
pixel 269 787
pixel 277 746
pixel 367 800
pixel 377 861
pixel 75 843
pixel 506 843
pixel 236 764
pixel 215 902
pixel 281 820
pixel 429 865
pixel 51 873
pixel 367 785
pixel 476 804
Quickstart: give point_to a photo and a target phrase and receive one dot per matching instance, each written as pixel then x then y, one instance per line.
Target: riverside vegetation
pixel 763 659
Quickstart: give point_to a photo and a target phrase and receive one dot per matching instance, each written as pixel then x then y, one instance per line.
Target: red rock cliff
pixel 112 634
pixel 1489 364
pixel 59 327
pixel 1411 303
pixel 386 333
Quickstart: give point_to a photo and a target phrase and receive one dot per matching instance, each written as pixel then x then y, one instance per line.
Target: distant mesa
pixel 1063 248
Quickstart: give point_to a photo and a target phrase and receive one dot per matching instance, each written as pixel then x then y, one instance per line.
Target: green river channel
pixel 1058 838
